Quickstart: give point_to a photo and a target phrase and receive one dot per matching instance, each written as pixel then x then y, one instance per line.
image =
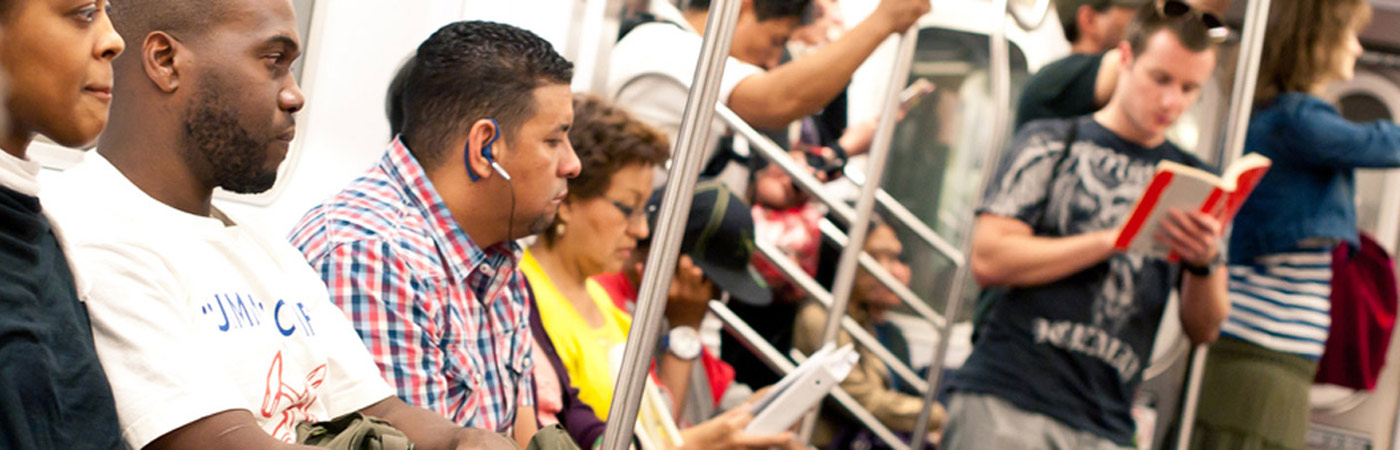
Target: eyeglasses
pixel 631 213
pixel 1215 26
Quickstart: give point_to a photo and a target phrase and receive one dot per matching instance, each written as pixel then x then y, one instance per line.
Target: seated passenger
pixel 785 217
pixel 556 399
pixel 720 229
pixel 420 251
pixel 1255 390
pixel 58 75
pixel 212 335
pixel 1065 345
pixel 595 232
pixel 871 383
pixel 754 86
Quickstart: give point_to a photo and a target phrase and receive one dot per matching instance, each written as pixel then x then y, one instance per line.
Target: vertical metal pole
pixel 687 159
pixel 865 205
pixel 1256 21
pixel 1001 92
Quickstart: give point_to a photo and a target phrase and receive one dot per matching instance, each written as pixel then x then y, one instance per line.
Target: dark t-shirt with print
pixel 1074 349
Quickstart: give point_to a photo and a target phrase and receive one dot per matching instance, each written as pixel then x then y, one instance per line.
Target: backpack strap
pixel 1055 169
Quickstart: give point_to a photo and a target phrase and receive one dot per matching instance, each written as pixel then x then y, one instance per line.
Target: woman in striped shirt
pixel 1255 391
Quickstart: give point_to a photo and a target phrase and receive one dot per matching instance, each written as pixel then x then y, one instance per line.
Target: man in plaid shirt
pixel 420 251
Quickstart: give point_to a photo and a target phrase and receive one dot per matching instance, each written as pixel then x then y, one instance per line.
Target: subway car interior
pixel 940 101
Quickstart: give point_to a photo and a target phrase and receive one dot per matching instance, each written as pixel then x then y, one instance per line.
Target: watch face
pixel 684 343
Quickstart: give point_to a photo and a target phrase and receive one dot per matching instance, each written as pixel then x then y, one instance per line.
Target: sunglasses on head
pixel 1215 26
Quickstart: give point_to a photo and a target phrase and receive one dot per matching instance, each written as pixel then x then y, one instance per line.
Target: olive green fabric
pixel 354 431
pixel 1253 398
pixel 552 438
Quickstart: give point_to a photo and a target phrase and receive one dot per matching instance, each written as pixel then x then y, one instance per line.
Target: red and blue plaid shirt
pixel 446 321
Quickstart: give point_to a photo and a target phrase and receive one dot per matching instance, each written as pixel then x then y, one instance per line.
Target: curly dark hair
pixel 473 70
pixel 607 139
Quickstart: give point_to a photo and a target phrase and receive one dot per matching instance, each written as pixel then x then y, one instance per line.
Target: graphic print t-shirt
pixel 195 315
pixel 1074 349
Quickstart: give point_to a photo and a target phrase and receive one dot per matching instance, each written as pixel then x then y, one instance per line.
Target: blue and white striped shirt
pixel 1282 302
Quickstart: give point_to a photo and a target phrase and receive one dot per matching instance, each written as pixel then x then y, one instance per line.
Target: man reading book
pixel 1063 348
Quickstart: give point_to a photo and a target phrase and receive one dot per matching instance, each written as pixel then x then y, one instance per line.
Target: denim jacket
pixel 1310 191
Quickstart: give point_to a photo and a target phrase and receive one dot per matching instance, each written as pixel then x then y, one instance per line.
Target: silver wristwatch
pixel 684 343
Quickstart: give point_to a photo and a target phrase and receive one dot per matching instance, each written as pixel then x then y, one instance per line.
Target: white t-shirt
pixel 652 67
pixel 19 175
pixel 197 315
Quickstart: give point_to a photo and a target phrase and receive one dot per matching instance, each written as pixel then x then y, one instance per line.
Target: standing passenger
pixel 1062 352
pixel 1255 390
pixel 653 64
pixel 53 392
pixel 1082 82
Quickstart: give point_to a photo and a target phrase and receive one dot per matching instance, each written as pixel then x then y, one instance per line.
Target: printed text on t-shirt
pixel 231 312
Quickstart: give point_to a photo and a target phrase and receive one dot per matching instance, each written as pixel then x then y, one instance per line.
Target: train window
pixel 938 150
pixel 1362 106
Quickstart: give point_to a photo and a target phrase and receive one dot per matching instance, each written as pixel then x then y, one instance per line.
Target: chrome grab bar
pixel 675 207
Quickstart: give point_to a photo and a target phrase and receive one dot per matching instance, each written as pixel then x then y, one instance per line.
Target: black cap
pixel 719 239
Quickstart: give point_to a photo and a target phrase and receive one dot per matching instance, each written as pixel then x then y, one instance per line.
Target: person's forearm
pixel 429 431
pixel 1014 260
pixel 1204 305
pixel 675 375
pixel 803 86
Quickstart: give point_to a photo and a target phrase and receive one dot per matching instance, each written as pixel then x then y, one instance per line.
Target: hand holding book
pixel 1181 188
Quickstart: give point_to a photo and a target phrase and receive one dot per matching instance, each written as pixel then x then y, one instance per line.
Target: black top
pixel 53 392
pixel 1063 89
pixel 1074 349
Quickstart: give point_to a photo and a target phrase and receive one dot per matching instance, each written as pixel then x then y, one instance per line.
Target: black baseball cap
pixel 719 239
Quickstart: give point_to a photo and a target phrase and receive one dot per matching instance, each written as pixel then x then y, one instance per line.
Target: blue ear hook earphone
pixel 485 153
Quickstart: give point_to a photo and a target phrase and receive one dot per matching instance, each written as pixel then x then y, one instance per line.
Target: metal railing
pixel 1241 104
pixel 670 224
pixel 1001 93
pixel 776 361
pixel 823 298
pixel 865 204
pixel 767 149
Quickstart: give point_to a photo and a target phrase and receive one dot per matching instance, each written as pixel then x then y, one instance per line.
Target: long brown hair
pixel 1302 42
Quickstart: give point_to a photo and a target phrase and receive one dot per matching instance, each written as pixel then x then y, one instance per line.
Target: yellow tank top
pixel 583 350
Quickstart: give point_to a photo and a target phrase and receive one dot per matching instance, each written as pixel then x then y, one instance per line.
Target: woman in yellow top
pixel 596 229
pixel 595 232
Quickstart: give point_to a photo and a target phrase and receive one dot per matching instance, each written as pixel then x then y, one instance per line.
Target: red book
pixel 1178 186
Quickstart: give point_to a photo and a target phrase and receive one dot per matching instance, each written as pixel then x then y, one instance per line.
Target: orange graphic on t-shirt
pixel 297 401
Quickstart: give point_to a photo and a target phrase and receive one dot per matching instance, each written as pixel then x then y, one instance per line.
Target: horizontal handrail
pixel 857 332
pixel 904 216
pixel 779 363
pixel 906 295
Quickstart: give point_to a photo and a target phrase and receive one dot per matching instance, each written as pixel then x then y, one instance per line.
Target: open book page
pixel 1181 187
pixel 801 389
